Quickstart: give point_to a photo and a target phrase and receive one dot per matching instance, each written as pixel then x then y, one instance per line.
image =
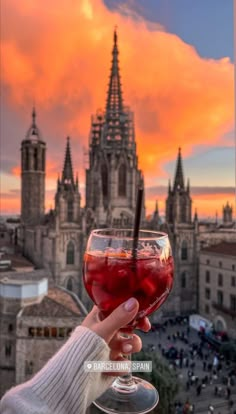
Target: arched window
pixel 69 285
pixel 35 159
pixel 184 250
pixel 104 180
pixel 27 159
pixel 183 280
pixel 70 254
pixel 122 180
pixel 70 210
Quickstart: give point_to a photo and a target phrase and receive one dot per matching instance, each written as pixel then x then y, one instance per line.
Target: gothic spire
pixel 67 174
pixel 179 176
pixel 33 131
pixel 114 104
pixel 156 209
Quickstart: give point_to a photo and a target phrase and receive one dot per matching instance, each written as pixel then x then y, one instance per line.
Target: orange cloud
pixel 59 56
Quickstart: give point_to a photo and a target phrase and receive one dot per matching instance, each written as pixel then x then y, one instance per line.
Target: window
pixel 220 279
pixel 8 349
pixel 233 302
pixel 70 254
pixel 27 159
pixel 35 159
pixel 104 180
pixel 122 181
pixel 233 267
pixel 43 160
pixel 54 332
pixel 233 281
pixel 70 209
pixel 46 332
pixel 39 331
pixel 70 284
pixel 207 293
pixel 183 280
pixel 10 327
pixel 207 310
pixel 184 250
pixel 208 262
pixel 29 368
pixel 32 331
pixel 62 332
pixel 208 276
pixel 220 298
pixel 220 264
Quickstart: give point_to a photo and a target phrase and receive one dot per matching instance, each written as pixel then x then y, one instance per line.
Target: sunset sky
pixel 177 71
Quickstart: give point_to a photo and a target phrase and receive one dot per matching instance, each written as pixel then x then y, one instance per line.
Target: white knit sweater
pixel 62 386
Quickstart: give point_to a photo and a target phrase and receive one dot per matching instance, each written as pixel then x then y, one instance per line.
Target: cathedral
pixel 56 241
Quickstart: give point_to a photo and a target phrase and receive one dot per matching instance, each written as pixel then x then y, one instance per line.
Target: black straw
pixel 137 220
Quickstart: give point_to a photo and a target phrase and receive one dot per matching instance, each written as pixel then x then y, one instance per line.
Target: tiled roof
pixel 225 248
pixel 17 260
pixel 57 303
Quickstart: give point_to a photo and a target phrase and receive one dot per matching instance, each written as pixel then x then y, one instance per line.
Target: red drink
pixel 111 279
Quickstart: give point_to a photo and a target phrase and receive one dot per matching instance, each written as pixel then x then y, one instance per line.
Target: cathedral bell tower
pixel 179 203
pixel 33 154
pixel 113 177
pixel 67 199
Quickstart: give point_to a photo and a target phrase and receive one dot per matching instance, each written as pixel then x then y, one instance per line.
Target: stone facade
pixel 217 286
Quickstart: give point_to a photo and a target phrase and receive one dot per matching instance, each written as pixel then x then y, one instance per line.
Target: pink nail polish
pixel 130 304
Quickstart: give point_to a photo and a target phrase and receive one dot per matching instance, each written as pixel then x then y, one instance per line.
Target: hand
pixel 109 328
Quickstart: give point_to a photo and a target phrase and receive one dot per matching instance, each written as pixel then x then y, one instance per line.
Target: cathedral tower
pixel 33 154
pixel 67 199
pixel 227 214
pixel 113 176
pixel 179 203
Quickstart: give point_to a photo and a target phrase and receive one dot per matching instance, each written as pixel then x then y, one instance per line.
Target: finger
pixel 144 324
pixel 92 318
pixel 119 318
pixel 119 344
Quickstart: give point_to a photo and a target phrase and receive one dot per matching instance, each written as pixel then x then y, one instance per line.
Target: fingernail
pixel 127 348
pixel 130 304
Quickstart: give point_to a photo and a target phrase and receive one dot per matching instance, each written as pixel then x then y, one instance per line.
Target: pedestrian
pixel 228 392
pixel 199 389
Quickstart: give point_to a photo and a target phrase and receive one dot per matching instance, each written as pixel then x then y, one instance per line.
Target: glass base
pixel 142 398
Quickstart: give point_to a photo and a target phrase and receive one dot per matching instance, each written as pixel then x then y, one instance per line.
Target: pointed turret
pixel 67 198
pixel 156 209
pixel 179 176
pixel 179 203
pixel 114 105
pixel 33 131
pixel 67 174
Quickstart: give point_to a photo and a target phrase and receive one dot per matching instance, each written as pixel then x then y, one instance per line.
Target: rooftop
pixel 225 248
pixel 57 303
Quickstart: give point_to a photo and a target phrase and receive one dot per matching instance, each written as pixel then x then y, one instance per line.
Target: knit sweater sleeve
pixel 62 386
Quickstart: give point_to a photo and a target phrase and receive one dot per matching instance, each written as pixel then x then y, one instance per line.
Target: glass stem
pixel 125 383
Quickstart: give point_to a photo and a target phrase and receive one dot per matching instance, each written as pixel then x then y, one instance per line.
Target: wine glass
pixel 116 268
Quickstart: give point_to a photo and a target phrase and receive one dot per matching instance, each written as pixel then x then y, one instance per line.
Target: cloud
pixel 59 57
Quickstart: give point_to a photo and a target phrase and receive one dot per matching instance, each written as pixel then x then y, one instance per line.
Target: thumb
pixel 119 318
